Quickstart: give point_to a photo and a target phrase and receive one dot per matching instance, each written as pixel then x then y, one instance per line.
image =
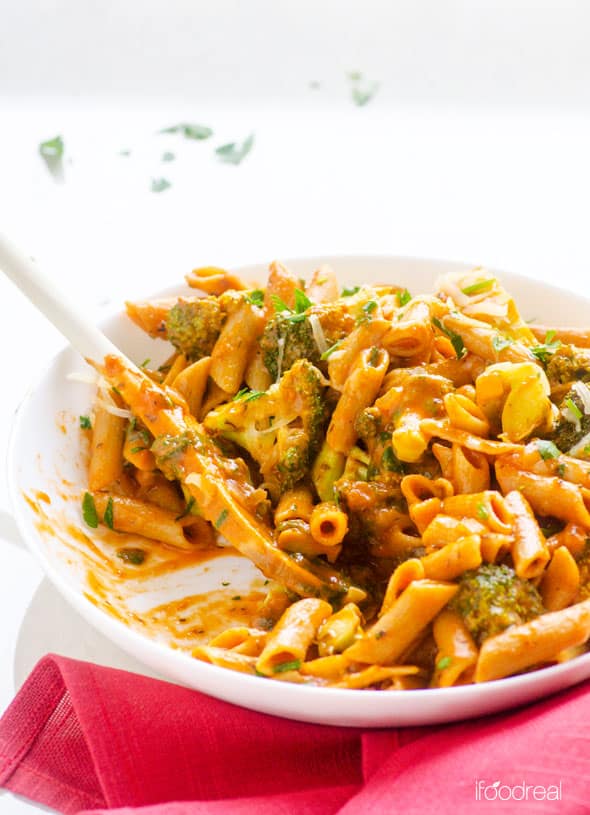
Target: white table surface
pixel 475 147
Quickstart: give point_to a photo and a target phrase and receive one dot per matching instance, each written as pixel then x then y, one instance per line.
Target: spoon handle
pixel 53 303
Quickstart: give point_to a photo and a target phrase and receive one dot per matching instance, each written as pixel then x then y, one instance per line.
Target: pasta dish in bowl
pixel 374 478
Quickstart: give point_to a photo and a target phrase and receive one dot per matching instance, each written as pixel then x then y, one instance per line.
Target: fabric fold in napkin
pixel 83 738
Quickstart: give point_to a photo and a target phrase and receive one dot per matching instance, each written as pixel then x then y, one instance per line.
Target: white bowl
pixel 47 460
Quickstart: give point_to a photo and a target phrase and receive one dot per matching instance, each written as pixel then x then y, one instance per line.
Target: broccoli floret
pixel 284 341
pixel 281 428
pixel 573 422
pixel 568 364
pixel 289 336
pixel 492 598
pixel 193 326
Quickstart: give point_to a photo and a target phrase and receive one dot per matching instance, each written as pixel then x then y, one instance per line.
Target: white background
pixel 475 148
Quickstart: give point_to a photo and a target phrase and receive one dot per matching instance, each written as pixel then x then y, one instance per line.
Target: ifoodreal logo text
pixel 497 791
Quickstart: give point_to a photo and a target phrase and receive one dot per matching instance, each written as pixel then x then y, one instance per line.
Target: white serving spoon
pixel 69 320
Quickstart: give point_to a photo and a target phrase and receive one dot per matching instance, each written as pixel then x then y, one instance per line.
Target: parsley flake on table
pixel 52 152
pixel 160 184
pixel 362 90
pixel 89 512
pixel 233 152
pixel 167 156
pixel 190 131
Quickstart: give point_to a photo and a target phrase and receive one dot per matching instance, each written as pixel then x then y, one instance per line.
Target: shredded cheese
pixel 318 333
pixel 579 445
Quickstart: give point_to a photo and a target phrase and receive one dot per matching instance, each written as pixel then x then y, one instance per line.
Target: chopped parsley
pixel 283 667
pixel 221 519
pixel 225 582
pixel 547 449
pixel 329 351
pixel 443 663
pixel 246 395
pixel 499 342
pixel 139 449
pixel 255 297
pixel 190 131
pixel 390 461
pixel 348 291
pixel 302 301
pixel 586 450
pixel 108 514
pixel 52 152
pixel 370 307
pixel 546 349
pixel 403 297
pixel 573 408
pixel 89 512
pixel 145 363
pixel 234 153
pixel 131 555
pixel 85 423
pixel 167 156
pixel 187 510
pixel 379 634
pixel 482 512
pixel 160 184
pixel 362 90
pixel 561 470
pixel 237 597
pixel 477 288
pixel 456 339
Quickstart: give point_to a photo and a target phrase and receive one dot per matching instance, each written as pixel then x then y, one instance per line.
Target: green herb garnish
pixel 546 349
pixel 167 156
pixel 477 288
pixel 329 351
pixel 456 340
pixel 222 518
pixel 499 342
pixel 573 408
pixel 403 297
pixel 160 184
pixel 234 153
pixel 443 663
pixel 237 597
pixel 85 423
pixel 89 512
pixel 198 132
pixel 390 461
pixel 482 512
pixel 370 307
pixel 134 556
pixel 348 291
pixel 547 449
pixel 108 513
pixel 187 509
pixel 52 152
pixel 255 297
pixel 302 301
pixel 283 667
pixel 246 395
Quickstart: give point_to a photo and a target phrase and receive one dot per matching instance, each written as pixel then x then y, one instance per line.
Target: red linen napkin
pixel 82 737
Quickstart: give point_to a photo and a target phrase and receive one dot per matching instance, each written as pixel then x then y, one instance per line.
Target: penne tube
pixel 326 470
pixel 453 559
pixel 296 503
pixel 214 396
pixel 139 518
pixel 466 415
pixel 480 339
pixel 281 284
pixel 456 655
pixel 561 582
pixel 359 391
pixel 579 337
pixel 341 362
pixel 191 382
pixel 257 375
pixel 402 623
pixel 495 546
pixel 410 336
pixel 442 429
pixel 534 643
pixel 547 496
pixel 489 507
pixel 106 448
pixel 294 536
pixel 241 640
pixel 231 352
pixel 155 489
pixel 572 536
pixel 225 659
pixel 288 642
pixel 323 286
pixel 151 316
pixel 404 574
pixel 213 280
pixel 178 365
pixel 339 631
pixel 445 529
pixel 328 667
pixel 328 524
pixel 423 513
pixel 529 550
pixel 417 488
pixel 467 470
